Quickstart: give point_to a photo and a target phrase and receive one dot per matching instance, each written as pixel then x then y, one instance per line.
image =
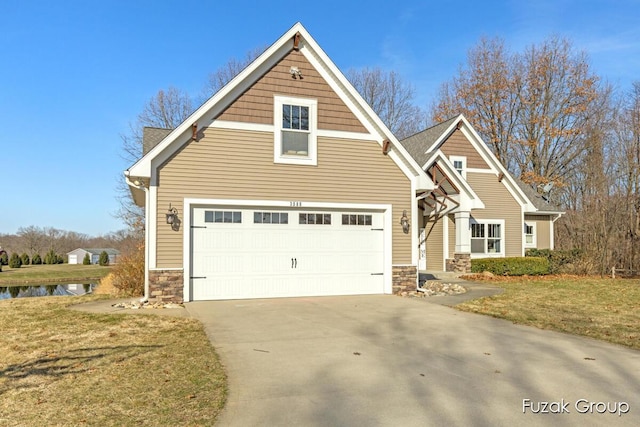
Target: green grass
pixel 604 309
pixel 68 368
pixel 56 273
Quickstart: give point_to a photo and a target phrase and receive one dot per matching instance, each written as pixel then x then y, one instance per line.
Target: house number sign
pixel 295 204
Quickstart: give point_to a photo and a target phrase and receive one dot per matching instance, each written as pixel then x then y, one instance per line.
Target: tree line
pixel 48 245
pixel 543 111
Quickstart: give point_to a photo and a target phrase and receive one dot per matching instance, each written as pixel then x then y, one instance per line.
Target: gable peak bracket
pixel 459 125
pixel 296 41
pixel 386 144
pixel 194 132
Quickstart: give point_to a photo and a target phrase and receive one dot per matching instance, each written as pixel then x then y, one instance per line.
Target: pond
pixel 23 291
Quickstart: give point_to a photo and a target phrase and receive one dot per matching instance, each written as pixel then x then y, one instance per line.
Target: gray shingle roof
pixel 418 143
pixel 152 137
pixel 536 198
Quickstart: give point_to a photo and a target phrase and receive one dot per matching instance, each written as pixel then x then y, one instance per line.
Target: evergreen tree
pixel 87 259
pixel 104 258
pixel 15 261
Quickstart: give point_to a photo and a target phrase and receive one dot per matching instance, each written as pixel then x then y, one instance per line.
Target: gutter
pixel 140 186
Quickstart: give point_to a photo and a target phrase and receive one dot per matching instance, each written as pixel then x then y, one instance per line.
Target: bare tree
pixel 228 71
pixel 391 98
pixel 531 108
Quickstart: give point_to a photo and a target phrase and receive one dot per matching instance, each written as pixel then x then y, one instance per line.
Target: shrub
pixel 52 258
pixel 4 258
pixel 103 259
pixel 559 261
pixel 36 260
pixel 127 275
pixel 15 261
pixel 514 266
pixel 25 259
pixel 86 260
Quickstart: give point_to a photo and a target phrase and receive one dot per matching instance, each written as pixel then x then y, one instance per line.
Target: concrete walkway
pixel 391 361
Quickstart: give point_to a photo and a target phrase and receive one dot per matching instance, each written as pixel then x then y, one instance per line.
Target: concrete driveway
pixel 391 361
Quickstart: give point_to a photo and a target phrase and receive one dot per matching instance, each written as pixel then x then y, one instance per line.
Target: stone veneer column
pixel 461 263
pixel 166 286
pixel 404 278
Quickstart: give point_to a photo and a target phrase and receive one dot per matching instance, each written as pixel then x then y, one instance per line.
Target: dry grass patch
pixel 605 309
pixel 69 368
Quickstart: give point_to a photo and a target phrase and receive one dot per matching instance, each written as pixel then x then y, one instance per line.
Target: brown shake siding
pixel 543 230
pixel 234 164
pixel 499 204
pixel 433 231
pixel 256 104
pixel 458 145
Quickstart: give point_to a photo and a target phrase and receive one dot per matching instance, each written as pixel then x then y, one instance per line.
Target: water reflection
pixel 22 291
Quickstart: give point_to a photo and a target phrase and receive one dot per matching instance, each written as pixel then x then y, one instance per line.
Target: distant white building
pixel 76 256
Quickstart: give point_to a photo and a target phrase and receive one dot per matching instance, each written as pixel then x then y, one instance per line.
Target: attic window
pixel 295 130
pixel 460 164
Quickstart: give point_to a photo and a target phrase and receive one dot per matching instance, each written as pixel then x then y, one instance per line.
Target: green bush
pixel 86 260
pixel 104 258
pixel 514 266
pixel 52 258
pixel 25 259
pixel 36 260
pixel 559 261
pixel 4 259
pixel 15 261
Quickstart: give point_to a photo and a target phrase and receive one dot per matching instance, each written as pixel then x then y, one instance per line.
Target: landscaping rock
pixel 433 288
pixel 134 305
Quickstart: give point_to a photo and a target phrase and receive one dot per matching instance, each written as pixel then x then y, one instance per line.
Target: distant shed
pixel 76 256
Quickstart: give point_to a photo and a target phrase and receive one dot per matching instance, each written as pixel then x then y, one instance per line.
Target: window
pixel 460 164
pixel 530 235
pixel 223 216
pixel 295 130
pixel 356 219
pixel 315 218
pixel 487 237
pixel 270 218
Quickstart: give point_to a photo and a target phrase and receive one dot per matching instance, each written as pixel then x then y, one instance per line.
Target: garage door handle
pixel 198 277
pixel 377 274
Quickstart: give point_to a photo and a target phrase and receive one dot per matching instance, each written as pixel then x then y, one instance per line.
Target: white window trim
pixel 533 244
pixel 502 238
pixel 278 157
pixel 462 159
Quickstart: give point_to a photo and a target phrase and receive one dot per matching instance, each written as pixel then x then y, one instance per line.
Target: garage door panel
pixel 257 260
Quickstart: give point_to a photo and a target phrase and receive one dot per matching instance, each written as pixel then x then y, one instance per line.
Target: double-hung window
pixel 295 130
pixel 459 164
pixel 487 238
pixel 530 235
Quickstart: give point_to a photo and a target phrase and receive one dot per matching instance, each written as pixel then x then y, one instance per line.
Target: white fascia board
pixel 490 158
pixel 354 101
pixel 204 115
pixel 436 145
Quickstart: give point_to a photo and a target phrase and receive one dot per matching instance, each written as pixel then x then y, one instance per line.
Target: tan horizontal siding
pixel 543 230
pixel 458 145
pixel 231 164
pixel 434 233
pixel 499 204
pixel 256 104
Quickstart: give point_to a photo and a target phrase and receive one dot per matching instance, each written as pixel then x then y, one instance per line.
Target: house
pixel 76 256
pixel 285 183
pixel 478 210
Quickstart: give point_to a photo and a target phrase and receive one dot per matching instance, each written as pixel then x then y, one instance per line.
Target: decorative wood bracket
pixel 296 41
pixel 194 132
pixel 386 144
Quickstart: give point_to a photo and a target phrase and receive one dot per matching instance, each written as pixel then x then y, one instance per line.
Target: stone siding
pixel 461 263
pixel 166 286
pixel 404 278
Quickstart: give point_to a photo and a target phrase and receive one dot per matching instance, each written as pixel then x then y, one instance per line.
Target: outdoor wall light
pixel 172 215
pixel 404 221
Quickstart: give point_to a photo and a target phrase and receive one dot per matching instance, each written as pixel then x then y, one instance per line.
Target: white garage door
pixel 267 252
pixel 73 259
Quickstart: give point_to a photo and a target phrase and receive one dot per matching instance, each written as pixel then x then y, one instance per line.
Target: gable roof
pixel 144 168
pixel 152 136
pixel 98 251
pixel 416 143
pixel 422 144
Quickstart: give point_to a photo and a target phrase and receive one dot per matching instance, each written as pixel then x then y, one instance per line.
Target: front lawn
pixel 64 367
pixel 71 273
pixel 605 309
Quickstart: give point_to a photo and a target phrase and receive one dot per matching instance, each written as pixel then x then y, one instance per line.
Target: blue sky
pixel 73 74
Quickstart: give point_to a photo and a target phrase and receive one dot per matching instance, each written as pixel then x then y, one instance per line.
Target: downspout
pixel 140 186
